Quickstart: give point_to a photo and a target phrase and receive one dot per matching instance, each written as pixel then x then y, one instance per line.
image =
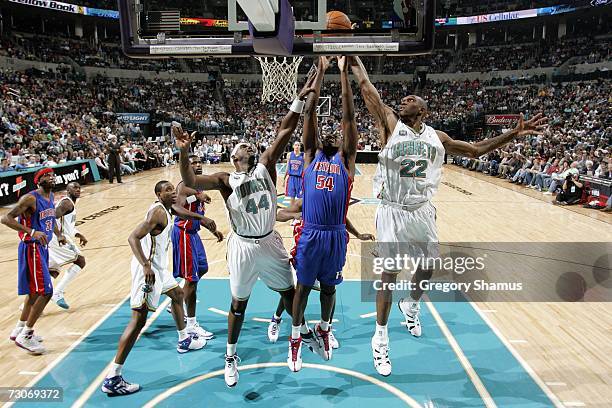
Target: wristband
pixel 297 106
pixel 32 232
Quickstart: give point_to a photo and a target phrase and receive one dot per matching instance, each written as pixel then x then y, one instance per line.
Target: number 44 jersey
pixel 252 205
pixel 409 166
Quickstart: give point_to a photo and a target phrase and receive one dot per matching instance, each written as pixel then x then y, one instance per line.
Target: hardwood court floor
pixel 567 345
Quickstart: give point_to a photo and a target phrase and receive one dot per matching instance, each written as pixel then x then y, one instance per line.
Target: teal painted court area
pixel 426 371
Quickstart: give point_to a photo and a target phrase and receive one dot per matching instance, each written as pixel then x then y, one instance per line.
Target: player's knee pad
pixel 238 307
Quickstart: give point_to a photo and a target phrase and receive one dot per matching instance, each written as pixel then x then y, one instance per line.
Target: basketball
pixel 337 20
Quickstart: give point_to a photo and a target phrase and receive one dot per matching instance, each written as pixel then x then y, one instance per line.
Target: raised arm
pixel 385 117
pixel 216 181
pixel 349 124
pixel 286 129
pixel 534 126
pixel 287 167
pixel 310 138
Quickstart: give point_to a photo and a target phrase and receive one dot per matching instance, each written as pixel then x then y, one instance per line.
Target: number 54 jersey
pixel 252 205
pixel 409 166
pixel 320 251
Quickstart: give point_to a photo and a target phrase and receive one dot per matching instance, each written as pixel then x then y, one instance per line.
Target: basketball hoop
pixel 279 77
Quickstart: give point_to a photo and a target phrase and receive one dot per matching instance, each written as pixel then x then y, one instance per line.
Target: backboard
pixel 160 29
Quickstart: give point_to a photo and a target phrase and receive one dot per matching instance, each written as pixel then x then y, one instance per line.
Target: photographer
pixel 572 191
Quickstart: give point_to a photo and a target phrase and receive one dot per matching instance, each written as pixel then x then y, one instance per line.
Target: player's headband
pixel 41 173
pixel 238 146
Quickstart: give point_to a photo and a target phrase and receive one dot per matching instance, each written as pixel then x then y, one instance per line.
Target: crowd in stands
pixel 577 143
pixel 479 58
pixel 46 119
pixel 533 55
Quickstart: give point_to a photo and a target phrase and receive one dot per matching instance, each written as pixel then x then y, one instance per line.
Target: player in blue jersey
pixel 36 225
pixel 321 247
pixel 294 214
pixel 293 175
pixel 189 256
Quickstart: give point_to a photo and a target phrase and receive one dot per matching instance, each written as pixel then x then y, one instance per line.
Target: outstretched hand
pixel 534 126
pixel 183 139
pixel 324 62
pixel 308 86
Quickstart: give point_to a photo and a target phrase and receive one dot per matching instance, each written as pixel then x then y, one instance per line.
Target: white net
pixel 279 76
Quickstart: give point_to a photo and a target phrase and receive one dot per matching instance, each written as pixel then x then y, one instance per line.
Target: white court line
pixel 96 383
pixel 518 341
pixel 219 311
pixel 363 316
pixel 72 346
pixel 574 404
pixel 480 388
pixel 259 319
pixel 29 372
pixel 555 384
pixel 408 400
pixel 319 321
pixel 518 358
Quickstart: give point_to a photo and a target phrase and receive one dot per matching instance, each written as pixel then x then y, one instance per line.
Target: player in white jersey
pixel 407 177
pixel 254 249
pixel 61 255
pixel 150 243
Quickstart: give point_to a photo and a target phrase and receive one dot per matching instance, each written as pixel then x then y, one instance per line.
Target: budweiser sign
pixel 500 120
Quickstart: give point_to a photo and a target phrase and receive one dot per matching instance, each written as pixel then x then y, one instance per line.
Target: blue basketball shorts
pixel 188 255
pixel 320 254
pixel 294 187
pixel 33 266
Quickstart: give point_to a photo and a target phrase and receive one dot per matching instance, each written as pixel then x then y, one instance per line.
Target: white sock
pixel 295 331
pixel 115 370
pixel 304 329
pixel 381 333
pixel 231 349
pixel 276 317
pixel 20 324
pixel 27 330
pixel 182 334
pixel 70 274
pixel 324 325
pixel 191 321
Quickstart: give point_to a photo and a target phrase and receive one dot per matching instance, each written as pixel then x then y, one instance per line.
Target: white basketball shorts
pixel 60 255
pixel 398 229
pixel 265 258
pixel 164 282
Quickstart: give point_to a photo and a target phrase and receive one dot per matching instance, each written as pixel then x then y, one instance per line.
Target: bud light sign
pixel 134 117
